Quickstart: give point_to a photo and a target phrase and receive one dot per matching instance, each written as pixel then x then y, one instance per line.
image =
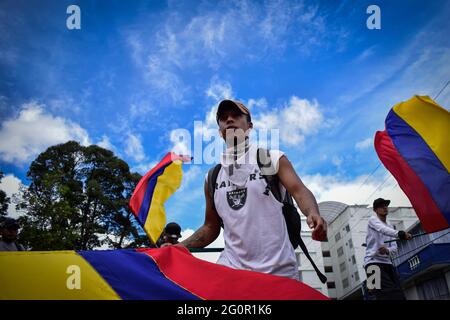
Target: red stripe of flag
pixel 215 282
pixel 139 192
pixel 426 209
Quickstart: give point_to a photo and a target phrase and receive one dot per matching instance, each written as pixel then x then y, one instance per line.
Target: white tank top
pixel 255 232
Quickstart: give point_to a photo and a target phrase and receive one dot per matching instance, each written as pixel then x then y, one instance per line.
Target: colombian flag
pixel 415 148
pixel 153 190
pixel 170 273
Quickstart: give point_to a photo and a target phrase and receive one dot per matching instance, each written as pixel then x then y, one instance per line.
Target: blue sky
pixel 136 71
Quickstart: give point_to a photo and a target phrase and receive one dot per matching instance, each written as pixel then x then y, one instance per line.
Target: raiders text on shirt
pixel 224 184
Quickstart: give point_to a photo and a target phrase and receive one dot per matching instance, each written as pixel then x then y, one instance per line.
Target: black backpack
pixel 290 213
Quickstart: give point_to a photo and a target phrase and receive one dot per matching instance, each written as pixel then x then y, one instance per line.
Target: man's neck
pixel 382 218
pixel 238 149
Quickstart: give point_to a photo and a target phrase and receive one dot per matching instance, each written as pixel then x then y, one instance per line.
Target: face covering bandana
pixel 236 162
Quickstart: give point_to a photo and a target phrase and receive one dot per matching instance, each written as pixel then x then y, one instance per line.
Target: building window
pixel 328 269
pixel 331 285
pixel 350 243
pixel 337 237
pixel 342 267
pixel 345 283
pixel 347 228
pixel 353 259
pixel 326 254
pixel 340 251
pixel 356 276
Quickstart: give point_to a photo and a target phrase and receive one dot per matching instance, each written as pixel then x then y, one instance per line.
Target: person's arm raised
pixel 303 197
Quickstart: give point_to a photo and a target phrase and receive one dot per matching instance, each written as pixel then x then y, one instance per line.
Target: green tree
pixel 4 200
pixel 78 199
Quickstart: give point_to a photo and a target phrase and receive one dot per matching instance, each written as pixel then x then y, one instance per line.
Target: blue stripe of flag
pixel 146 202
pixel 419 156
pixel 134 275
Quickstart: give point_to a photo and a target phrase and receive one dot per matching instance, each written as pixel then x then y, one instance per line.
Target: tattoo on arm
pixel 308 204
pixel 198 240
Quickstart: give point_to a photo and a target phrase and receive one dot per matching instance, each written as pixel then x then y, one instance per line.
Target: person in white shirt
pixel 255 231
pixel 378 252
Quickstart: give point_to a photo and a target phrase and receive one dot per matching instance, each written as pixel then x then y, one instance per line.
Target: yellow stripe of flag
pixel 431 122
pixel 50 275
pixel 166 185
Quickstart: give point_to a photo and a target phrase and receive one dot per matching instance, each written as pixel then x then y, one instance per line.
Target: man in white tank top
pixel 255 231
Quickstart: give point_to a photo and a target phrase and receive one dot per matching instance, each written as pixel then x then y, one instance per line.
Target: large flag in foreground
pixel 153 190
pixel 415 148
pixel 169 273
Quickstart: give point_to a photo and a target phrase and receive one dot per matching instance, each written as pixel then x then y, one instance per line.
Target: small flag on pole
pixel 153 190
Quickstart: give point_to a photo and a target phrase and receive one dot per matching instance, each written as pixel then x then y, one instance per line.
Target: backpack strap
pixel 212 178
pixel 211 181
pixel 270 175
pixel 321 276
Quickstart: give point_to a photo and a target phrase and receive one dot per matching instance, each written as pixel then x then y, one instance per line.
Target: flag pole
pixel 201 250
pixel 413 236
pixel 417 235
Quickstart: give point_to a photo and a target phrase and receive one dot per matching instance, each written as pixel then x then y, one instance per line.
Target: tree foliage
pixel 78 199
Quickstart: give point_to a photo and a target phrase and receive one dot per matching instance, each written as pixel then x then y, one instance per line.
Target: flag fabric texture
pixel 153 190
pixel 170 273
pixel 415 148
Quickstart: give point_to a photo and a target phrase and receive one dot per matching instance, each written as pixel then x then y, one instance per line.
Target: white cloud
pixel 298 119
pixel 164 80
pixel 219 90
pixel 186 234
pixel 229 33
pixel 33 130
pixel 337 161
pixel 108 239
pixel 189 176
pixel 365 54
pixel 295 120
pixel 143 168
pixel 11 185
pixel 181 144
pixel 105 143
pixel 364 144
pixel 210 256
pixel 333 188
pixel 134 148
pixel 254 104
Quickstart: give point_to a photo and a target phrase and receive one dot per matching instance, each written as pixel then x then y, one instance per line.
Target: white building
pixel 342 256
pixel 307 274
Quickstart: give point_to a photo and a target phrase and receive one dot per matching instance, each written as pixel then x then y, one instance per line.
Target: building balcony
pixel 422 254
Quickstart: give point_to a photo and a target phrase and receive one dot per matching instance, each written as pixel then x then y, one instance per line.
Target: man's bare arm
pixel 303 197
pixel 210 229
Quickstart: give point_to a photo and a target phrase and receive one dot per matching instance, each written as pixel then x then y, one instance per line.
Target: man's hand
pixel 383 250
pixel 405 235
pixel 319 225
